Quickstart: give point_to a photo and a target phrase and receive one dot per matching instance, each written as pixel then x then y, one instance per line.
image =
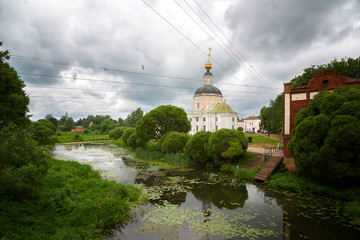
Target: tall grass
pixel 74 203
pixel 64 137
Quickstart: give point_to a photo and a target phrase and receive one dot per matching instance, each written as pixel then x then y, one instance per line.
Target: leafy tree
pixel 22 164
pixel 346 66
pixel 43 132
pixel 116 133
pixel 161 120
pixel 54 121
pixel 132 118
pixel 135 141
pixel 197 146
pixel 174 142
pixel 13 100
pixel 224 139
pixel 121 122
pixel 69 124
pixel 241 129
pixel 105 125
pixel 127 134
pixel 62 120
pixel 326 138
pixel 272 116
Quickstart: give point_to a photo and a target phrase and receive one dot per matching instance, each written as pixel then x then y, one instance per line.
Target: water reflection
pixel 197 204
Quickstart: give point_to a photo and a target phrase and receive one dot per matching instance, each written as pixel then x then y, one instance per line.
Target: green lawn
pixel 261 141
pixel 71 137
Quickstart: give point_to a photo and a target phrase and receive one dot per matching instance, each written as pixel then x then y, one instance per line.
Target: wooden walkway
pixel 268 168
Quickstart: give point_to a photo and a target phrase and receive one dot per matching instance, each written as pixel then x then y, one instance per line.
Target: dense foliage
pixel 225 144
pixel 161 120
pixel 22 164
pixel 133 118
pixel 197 146
pixel 43 132
pixel 346 66
pixel 326 139
pixel 13 100
pixel 174 142
pixel 74 203
pixel 127 134
pixel 272 116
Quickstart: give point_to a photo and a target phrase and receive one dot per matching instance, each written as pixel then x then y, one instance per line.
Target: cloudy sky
pixel 113 56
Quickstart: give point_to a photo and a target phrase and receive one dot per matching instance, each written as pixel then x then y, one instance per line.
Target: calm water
pixel 198 204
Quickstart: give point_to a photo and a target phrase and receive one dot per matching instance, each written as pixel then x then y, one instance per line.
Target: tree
pixel 121 122
pixel 346 66
pixel 161 120
pixel 43 132
pixel 69 124
pixel 22 164
pixel 132 118
pixel 326 138
pixel 272 116
pixel 105 125
pixel 13 100
pixel 225 139
pixel 127 134
pixel 174 142
pixel 197 145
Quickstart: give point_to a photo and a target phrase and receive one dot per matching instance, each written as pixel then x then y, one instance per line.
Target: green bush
pixel 22 164
pixel 326 138
pixel 226 144
pixel 43 132
pixel 241 129
pixel 127 134
pixel 153 146
pixel 118 132
pixel 197 145
pixel 174 142
pixel 111 133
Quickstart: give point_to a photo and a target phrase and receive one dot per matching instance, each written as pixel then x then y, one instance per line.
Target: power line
pixel 118 82
pixel 188 39
pixel 95 98
pixel 232 45
pixel 56 62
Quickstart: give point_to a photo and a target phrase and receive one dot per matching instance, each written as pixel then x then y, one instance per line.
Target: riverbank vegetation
pixel 44 198
pixel 73 202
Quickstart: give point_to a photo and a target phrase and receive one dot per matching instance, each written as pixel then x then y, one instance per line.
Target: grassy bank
pixel 286 183
pixel 261 141
pixel 73 203
pixel 64 137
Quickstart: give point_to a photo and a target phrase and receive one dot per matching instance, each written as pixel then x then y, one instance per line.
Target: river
pixel 193 204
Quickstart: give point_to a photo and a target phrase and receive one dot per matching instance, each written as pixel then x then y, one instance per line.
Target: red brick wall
pixel 327 80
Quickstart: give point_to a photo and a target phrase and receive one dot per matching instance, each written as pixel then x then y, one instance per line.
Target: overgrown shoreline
pixel 73 203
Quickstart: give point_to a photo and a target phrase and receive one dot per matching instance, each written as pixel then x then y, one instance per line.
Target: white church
pixel 210 110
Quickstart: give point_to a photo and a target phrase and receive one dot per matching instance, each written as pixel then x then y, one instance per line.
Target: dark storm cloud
pixel 278 28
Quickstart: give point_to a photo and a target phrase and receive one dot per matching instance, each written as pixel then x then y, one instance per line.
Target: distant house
pixel 78 129
pixel 249 124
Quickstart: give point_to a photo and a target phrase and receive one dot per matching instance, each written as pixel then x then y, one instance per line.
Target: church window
pixel 233 119
pixel 204 127
pixel 208 105
pixel 233 127
pixel 197 105
pixel 197 128
pixel 217 128
pixel 204 119
pixel 197 119
pixel 216 119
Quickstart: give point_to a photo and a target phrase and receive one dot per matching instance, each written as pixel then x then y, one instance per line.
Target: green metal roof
pixel 223 108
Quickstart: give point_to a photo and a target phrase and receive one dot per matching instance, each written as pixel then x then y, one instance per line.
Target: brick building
pixel 299 97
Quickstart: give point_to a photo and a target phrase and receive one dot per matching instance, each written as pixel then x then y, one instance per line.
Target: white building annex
pixel 250 124
pixel 210 110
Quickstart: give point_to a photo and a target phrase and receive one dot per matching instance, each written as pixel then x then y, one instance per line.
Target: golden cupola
pixel 208 65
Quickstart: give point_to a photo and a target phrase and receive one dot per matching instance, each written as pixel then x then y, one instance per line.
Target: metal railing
pixel 271 151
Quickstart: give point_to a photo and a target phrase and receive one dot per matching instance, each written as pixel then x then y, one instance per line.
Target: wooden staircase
pixel 269 167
